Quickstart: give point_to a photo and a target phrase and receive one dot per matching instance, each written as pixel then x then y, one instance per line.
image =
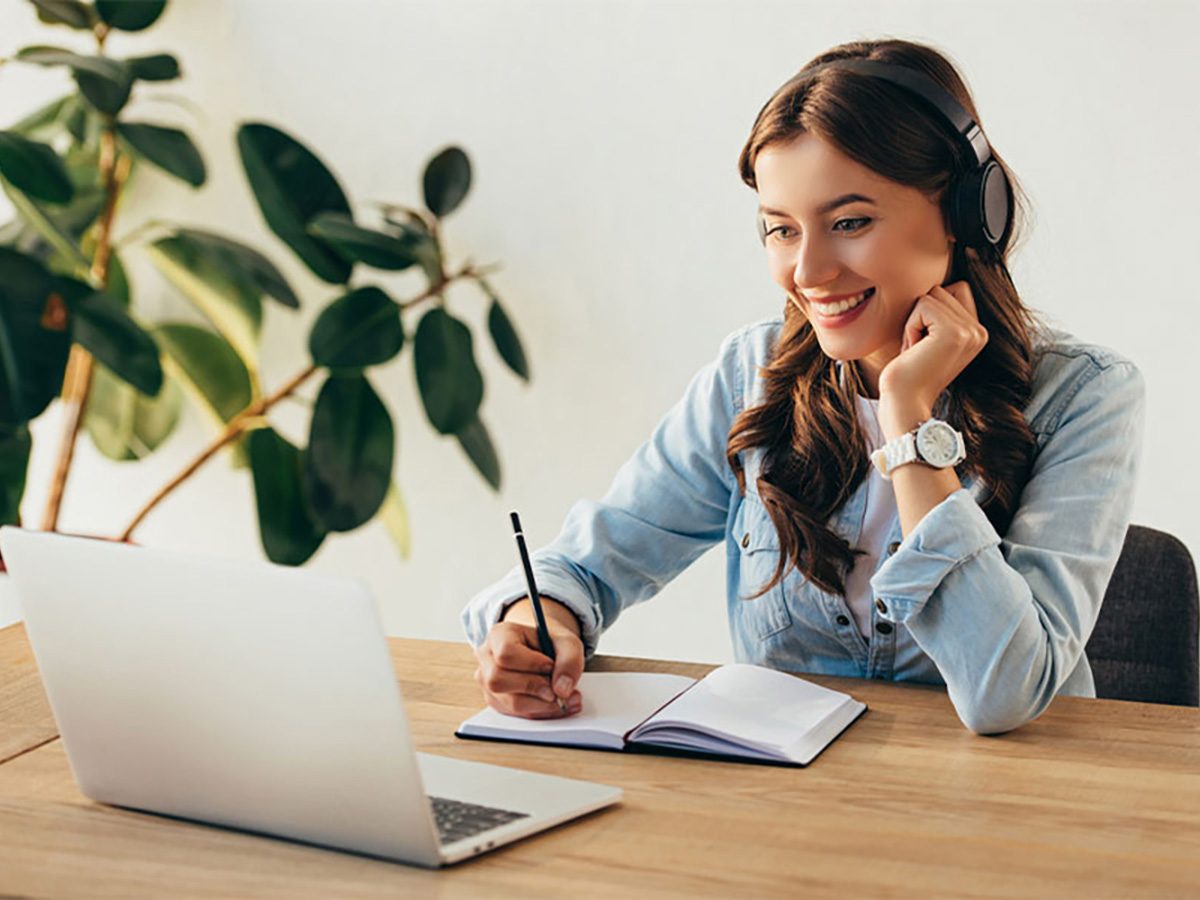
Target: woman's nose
pixel 814 264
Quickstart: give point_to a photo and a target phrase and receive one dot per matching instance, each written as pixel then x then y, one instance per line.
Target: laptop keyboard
pixel 457 820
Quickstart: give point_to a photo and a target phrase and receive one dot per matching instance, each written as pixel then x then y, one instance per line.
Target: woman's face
pixel 889 241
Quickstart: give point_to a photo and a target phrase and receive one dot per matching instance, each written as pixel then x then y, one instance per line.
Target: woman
pixel 913 479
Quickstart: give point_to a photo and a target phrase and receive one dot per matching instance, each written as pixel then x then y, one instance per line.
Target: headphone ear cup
pixel 995 203
pixel 979 206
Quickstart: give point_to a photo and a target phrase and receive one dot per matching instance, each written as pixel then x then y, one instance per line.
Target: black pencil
pixel 544 642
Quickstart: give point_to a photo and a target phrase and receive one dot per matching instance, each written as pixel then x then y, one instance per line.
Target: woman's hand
pixel 516 677
pixel 941 337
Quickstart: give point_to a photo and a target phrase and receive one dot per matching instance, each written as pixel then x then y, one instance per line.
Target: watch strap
pixel 899 451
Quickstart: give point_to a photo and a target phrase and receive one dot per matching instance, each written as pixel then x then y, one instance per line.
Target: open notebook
pixel 736 711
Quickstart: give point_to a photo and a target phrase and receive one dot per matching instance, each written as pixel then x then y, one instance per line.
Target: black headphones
pixel 977 199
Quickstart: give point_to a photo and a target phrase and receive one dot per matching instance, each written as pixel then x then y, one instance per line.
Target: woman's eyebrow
pixel 828 206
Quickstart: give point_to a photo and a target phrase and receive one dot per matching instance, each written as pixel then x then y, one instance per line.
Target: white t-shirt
pixel 877 520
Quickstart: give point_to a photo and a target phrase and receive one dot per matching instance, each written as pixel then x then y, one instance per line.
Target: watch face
pixel 937 444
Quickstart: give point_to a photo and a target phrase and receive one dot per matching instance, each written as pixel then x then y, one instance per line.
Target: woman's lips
pixel 845 318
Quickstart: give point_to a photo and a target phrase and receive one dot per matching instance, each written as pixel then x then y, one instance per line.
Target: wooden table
pixel 1096 798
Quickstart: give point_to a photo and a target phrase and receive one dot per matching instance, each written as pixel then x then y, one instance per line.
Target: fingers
pixel 957 302
pixel 515 647
pixel 568 663
pixel 915 326
pixel 502 681
pixel 961 292
pixel 523 695
pixel 515 677
pixel 531 707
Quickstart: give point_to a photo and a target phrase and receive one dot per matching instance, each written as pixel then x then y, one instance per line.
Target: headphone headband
pixel 966 129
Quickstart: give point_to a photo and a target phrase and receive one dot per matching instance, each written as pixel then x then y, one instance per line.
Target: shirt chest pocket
pixel 758 542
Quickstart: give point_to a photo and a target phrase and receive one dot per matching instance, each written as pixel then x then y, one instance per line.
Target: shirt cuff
pixel 486 608
pixel 951 533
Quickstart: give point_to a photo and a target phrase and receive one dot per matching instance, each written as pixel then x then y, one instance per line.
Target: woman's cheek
pixel 780 275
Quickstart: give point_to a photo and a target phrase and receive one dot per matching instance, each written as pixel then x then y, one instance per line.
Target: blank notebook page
pixel 613 703
pixel 761 705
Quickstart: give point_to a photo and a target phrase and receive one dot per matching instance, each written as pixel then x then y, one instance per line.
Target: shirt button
pixel 883 627
pixel 881 606
pixel 745 540
pixel 842 620
pixel 893 547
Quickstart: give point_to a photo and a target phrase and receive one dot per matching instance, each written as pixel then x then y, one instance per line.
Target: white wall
pixel 604 137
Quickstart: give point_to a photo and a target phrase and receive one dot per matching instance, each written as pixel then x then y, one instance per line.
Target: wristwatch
pixel 934 443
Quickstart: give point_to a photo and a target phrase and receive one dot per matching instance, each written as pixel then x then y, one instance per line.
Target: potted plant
pixel 70 324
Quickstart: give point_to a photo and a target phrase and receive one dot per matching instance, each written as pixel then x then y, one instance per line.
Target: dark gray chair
pixel 1145 645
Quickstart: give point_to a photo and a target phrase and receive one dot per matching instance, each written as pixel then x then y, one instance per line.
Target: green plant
pixel 69 320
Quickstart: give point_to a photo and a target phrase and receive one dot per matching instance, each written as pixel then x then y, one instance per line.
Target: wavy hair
pixel 808 414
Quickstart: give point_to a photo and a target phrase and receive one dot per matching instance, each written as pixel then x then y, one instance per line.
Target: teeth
pixel 836 309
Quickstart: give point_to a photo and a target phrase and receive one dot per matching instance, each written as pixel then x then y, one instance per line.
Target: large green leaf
pixel 108 95
pixel 65 12
pixel 361 328
pixel 35 338
pixel 34 168
pixel 107 332
pixel 124 424
pixel 156 67
pixel 130 15
pixel 395 518
pixel 289 533
pixel 292 186
pixel 447 180
pixel 450 383
pixel 348 462
pixel 358 244
pixel 168 148
pixel 260 270
pixel 217 286
pixel 103 81
pixel 504 335
pixel 15 445
pixel 210 367
pixel 477 444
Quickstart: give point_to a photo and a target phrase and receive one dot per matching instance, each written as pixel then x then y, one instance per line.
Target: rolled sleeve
pixel 486 607
pixel 950 534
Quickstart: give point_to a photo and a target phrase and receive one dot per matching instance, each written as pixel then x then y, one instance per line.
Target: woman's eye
pixel 861 219
pixel 858 223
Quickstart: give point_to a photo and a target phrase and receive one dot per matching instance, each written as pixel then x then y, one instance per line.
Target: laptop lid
pixel 239 693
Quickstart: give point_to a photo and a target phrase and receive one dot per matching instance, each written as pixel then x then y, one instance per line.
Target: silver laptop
pixel 257 697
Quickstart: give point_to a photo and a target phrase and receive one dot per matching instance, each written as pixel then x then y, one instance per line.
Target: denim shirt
pixel 1001 621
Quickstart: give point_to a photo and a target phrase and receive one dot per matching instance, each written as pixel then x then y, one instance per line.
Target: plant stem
pixel 437 287
pixel 255 410
pixel 77 380
pixel 232 430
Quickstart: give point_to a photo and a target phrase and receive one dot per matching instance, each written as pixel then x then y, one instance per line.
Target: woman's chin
pixel 839 349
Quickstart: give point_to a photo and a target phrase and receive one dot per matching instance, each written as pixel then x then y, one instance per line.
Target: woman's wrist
pixel 521 612
pixel 900 415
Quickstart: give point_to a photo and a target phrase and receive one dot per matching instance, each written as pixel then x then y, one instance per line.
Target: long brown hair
pixel 808 416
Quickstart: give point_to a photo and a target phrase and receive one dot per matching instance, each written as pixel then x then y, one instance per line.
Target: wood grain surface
pixel 1096 798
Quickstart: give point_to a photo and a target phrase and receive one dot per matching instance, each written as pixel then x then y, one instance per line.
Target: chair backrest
pixel 1146 642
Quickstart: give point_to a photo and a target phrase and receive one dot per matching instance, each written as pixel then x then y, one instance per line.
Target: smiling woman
pixel 914 479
